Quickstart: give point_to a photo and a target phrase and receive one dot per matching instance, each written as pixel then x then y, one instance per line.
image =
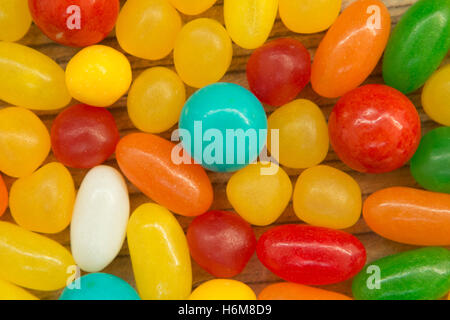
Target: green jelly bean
pixel 417 45
pixel 430 165
pixel 422 274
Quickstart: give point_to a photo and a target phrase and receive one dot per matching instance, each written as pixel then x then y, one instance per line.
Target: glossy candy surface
pixel 409 216
pixel 430 165
pixel 9 291
pixel 278 71
pixel 436 96
pixel 3 196
pixel 30 79
pixel 24 142
pixel 192 7
pixel 311 255
pixel 77 23
pixel 31 260
pixel 98 76
pixel 295 291
pixel 418 44
pixel 222 289
pixel 15 19
pixel 202 53
pixel 148 28
pixel 146 160
pixel 84 136
pixel 422 274
pixel 43 201
pixel 260 193
pixel 159 254
pixel 221 242
pixel 351 48
pixel 374 129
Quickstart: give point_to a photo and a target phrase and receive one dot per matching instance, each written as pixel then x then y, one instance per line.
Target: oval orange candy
pixel 294 291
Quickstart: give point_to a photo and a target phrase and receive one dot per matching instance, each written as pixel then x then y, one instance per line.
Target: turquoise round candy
pixel 100 286
pixel 223 127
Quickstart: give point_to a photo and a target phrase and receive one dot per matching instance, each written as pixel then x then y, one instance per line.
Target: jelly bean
pixel 99 286
pixel 303 134
pixel 43 202
pixel 311 255
pixel 422 274
pixel 231 116
pixel 260 193
pixel 374 129
pixel 409 216
pixel 221 242
pixel 84 136
pixel 430 164
pixel 223 289
pixel 3 196
pixel 162 271
pixel 146 160
pixel 15 20
pixel 202 53
pixel 351 48
pixel 418 44
pixel 100 218
pixel 295 291
pixel 309 16
pixel 31 79
pixel 327 197
pixel 31 260
pixel 192 7
pixel 98 76
pixel 148 28
pixel 24 142
pixel 76 23
pixel 278 71
pixel 436 96
pixel 155 100
pixel 9 291
pixel 249 22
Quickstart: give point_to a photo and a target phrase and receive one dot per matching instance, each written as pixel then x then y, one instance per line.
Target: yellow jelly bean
pixel 260 193
pixel 148 28
pixel 192 7
pixel 327 197
pixel 309 16
pixel 98 76
pixel 303 134
pixel 223 289
pixel 155 100
pixel 24 142
pixel 43 202
pixel 15 19
pixel 9 291
pixel 33 261
pixel 202 53
pixel 436 96
pixel 159 254
pixel 249 22
pixel 30 79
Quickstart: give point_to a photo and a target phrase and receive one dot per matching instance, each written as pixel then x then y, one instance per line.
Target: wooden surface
pixel 254 274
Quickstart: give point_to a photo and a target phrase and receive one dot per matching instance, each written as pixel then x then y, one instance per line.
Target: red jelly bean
pixel 374 129
pixel 311 255
pixel 84 136
pixel 278 71
pixel 77 23
pixel 221 242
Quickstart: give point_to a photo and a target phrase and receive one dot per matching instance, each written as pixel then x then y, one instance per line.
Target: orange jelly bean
pixel 146 160
pixel 410 216
pixel 3 196
pixel 351 48
pixel 294 291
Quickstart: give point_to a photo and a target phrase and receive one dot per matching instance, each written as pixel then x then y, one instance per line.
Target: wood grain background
pixel 254 274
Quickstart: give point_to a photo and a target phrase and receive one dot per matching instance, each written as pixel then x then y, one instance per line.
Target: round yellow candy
pixel 302 134
pixel 327 197
pixel 98 76
pixel 192 7
pixel 24 142
pixel 260 193
pixel 155 100
pixel 9 291
pixel 223 289
pixel 309 16
pixel 436 96
pixel 202 53
pixel 148 28
pixel 15 19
